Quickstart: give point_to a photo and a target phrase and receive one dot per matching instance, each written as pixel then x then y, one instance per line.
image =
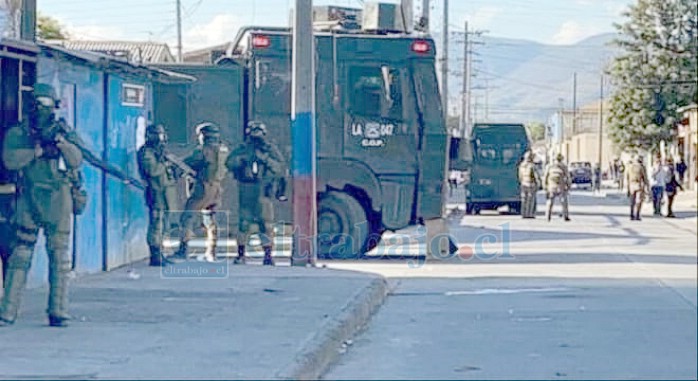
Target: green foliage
pixel 48 28
pixel 536 131
pixel 659 54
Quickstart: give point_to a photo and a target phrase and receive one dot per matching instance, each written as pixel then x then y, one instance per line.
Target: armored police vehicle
pixel 382 140
pixel 497 150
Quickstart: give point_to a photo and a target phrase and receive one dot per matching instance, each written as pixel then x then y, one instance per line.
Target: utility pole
pixel 28 20
pixel 444 62
pixel 179 31
pixel 561 123
pixel 600 120
pixel 303 137
pixel 487 99
pixel 407 12
pixel 425 14
pixel 574 105
pixel 464 91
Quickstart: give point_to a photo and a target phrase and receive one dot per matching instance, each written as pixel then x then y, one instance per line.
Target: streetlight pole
pixel 28 20
pixel 303 136
pixel 179 31
pixel 444 62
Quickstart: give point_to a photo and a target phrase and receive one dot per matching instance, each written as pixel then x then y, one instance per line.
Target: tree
pixel 655 72
pixel 48 28
pixel 536 131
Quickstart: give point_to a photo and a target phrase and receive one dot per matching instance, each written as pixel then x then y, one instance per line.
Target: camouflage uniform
pixel 528 177
pixel 160 191
pixel 45 158
pixel 558 183
pixel 208 160
pixel 257 166
pixel 637 187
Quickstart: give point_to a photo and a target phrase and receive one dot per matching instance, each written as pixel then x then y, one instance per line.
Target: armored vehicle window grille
pixel 376 91
pixel 273 86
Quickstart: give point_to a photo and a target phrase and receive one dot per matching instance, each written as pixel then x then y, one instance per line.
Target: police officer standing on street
pixel 46 155
pixel 638 186
pixel 160 191
pixel 558 183
pixel 259 168
pixel 208 160
pixel 528 177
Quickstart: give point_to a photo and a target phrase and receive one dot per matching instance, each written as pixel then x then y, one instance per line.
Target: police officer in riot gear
pixel 638 186
pixel 528 177
pixel 259 169
pixel 160 191
pixel 46 157
pixel 558 184
pixel 208 160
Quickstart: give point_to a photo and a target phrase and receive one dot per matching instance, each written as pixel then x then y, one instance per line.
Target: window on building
pixel 133 95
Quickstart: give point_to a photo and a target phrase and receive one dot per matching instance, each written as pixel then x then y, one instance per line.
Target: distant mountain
pixel 520 80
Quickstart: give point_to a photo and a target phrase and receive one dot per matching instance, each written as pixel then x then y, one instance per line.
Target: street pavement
pixel 201 321
pixel 599 297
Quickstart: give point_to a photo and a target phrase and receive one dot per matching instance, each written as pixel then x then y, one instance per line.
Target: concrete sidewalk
pixel 141 323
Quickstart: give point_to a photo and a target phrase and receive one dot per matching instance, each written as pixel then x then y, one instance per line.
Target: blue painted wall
pixel 126 210
pixel 80 88
pixel 111 232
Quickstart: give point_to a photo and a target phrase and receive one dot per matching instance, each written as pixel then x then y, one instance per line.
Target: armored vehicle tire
pixel 343 227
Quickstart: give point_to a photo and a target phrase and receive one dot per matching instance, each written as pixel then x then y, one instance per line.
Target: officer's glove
pixel 48 134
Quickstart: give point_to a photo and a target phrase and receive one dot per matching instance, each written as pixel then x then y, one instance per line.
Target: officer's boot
pixel 268 260
pixel 14 286
pixel 241 259
pixel 59 270
pixel 158 259
pixel 549 209
pixel 182 250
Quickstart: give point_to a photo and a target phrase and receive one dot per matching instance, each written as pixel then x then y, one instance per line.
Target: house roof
pixel 142 52
pixel 115 64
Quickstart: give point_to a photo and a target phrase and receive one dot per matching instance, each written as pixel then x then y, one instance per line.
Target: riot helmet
pixel 155 134
pixel 559 157
pixel 208 133
pixel 45 100
pixel 256 132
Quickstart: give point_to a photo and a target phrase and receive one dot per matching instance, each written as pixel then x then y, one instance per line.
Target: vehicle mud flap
pixel 440 243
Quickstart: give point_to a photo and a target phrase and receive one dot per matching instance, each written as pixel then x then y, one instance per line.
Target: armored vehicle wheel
pixel 343 228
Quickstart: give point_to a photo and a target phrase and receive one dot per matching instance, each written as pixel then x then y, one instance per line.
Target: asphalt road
pixel 600 297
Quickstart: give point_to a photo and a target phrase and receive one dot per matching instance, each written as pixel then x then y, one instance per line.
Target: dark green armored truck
pixel 382 139
pixel 497 150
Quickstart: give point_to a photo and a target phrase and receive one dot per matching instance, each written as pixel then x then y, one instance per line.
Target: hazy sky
pixel 210 22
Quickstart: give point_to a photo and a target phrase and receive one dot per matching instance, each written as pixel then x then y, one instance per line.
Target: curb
pixel 322 348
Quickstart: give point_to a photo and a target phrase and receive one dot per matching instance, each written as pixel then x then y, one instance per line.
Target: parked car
pixel 581 173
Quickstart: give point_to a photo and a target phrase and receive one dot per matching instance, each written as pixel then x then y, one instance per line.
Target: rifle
pixel 93 160
pixel 188 172
pixel 179 163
